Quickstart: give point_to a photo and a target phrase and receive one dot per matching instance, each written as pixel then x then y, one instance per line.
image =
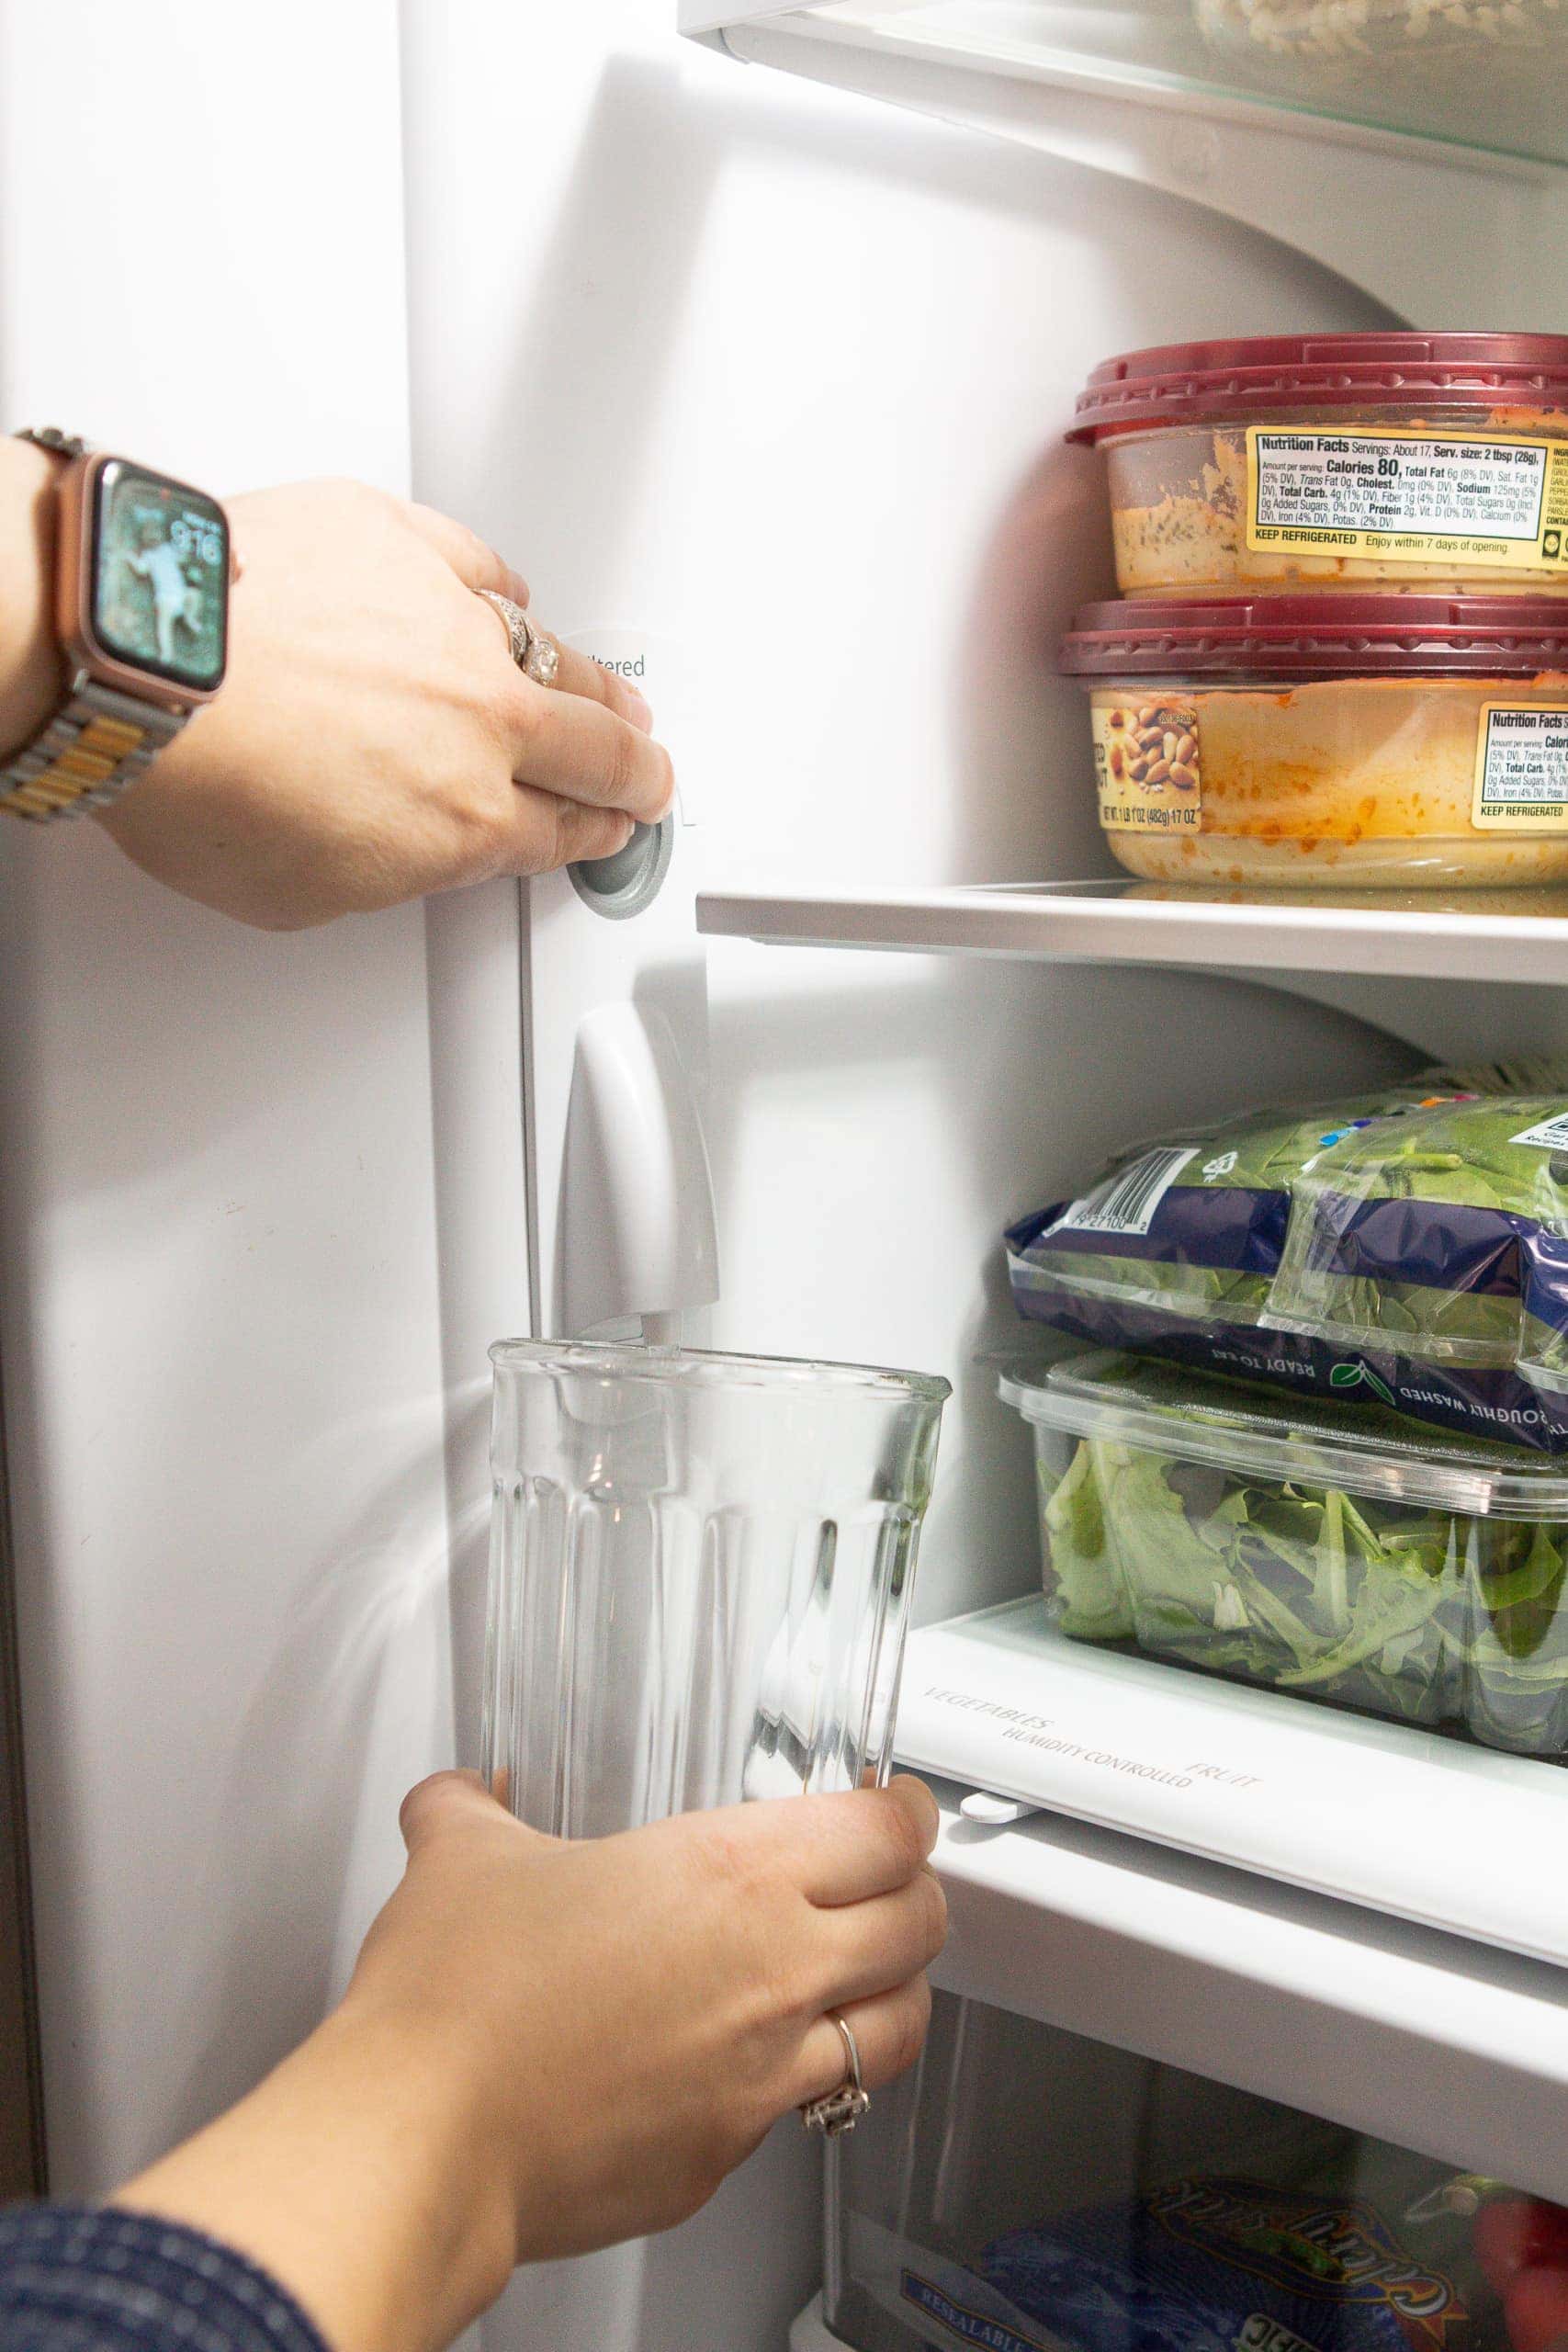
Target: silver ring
pixel 842 2109
pixel 536 655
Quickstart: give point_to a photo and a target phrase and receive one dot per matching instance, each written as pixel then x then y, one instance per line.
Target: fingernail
pixel 640 711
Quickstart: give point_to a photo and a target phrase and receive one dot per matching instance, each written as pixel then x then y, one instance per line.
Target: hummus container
pixel 1290 462
pixel 1351 742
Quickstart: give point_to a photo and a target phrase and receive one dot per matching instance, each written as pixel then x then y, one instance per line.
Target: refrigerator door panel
pixel 221 1333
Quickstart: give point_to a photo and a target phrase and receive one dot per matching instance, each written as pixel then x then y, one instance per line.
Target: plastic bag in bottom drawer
pixel 1209 2265
pixel 1216 2265
pixel 943 2304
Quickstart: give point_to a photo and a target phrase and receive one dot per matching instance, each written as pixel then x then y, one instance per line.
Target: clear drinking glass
pixel 700 1575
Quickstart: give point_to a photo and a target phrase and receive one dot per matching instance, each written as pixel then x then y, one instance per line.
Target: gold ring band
pixel 535 653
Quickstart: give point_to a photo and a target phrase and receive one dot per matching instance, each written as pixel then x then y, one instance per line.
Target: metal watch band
pixel 99 740
pixel 96 743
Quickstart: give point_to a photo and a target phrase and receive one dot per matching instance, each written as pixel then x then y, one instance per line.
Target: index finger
pixel 866 1842
pixel 474 560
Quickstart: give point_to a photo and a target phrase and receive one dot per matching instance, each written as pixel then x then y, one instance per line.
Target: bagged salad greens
pixel 1316 1552
pixel 1408 1246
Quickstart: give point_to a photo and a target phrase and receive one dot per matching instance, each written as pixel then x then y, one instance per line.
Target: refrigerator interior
pixel 800 364
pixel 762 386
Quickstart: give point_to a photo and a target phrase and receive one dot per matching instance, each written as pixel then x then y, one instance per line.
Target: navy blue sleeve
pixel 75 2279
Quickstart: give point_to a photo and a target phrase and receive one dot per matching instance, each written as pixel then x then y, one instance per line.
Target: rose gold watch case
pixel 73 595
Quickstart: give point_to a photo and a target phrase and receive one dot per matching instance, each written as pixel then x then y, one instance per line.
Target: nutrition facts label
pixel 1496 505
pixel 1521 769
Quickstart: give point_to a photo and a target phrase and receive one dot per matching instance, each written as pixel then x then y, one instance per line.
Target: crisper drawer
pixel 1028 2190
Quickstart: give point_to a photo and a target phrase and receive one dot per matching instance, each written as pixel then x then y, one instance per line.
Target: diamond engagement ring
pixel 842 2109
pixel 536 655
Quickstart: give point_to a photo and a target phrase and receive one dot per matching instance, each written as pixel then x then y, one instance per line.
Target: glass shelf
pixel 1517 935
pixel 1424 167
pixel 1486 75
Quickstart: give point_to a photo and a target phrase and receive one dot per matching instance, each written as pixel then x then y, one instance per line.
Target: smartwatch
pixel 141 580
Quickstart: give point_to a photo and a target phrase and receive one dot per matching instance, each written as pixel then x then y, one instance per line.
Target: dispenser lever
pixel 636 1226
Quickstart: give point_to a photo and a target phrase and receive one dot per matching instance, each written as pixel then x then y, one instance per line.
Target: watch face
pixel 160 584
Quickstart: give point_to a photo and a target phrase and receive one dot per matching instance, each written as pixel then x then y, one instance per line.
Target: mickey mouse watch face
pixel 144 584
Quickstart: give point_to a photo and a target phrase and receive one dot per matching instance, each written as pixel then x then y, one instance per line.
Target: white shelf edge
pixel 998 1700
pixel 1435 2044
pixel 1058 925
pixel 1486 251
pixel 810 2331
pixel 700 19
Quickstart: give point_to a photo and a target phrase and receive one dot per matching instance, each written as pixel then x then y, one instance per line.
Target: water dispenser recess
pixel 701 1568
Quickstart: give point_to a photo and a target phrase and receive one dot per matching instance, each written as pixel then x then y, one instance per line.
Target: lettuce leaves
pixel 1423 1615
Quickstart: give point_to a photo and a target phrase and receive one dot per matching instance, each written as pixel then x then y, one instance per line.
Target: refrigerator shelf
pixel 1381 935
pixel 1426 2040
pixel 1460 130
pixel 1409 1822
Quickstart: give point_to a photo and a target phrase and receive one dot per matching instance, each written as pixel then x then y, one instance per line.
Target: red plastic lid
pixel 1178 383
pixel 1257 639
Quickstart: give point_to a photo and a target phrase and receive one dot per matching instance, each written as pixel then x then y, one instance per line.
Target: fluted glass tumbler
pixel 700 1575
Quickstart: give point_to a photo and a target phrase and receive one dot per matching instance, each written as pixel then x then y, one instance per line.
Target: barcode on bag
pixel 1126 1202
pixel 1551 1134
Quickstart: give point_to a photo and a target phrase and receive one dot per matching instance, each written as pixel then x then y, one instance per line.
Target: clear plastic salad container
pixel 1353 741
pixel 700 1575
pixel 1291 1546
pixel 1290 462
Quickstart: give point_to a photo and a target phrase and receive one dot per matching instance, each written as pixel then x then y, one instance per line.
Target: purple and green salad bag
pixel 1407 1248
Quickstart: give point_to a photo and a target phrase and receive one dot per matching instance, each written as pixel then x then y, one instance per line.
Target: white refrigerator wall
pixel 220 1328
pixel 776 377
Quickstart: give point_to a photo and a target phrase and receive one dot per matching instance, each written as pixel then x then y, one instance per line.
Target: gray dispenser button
pixel 624 884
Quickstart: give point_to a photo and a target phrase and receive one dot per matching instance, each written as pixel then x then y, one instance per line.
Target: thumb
pixel 445 1802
